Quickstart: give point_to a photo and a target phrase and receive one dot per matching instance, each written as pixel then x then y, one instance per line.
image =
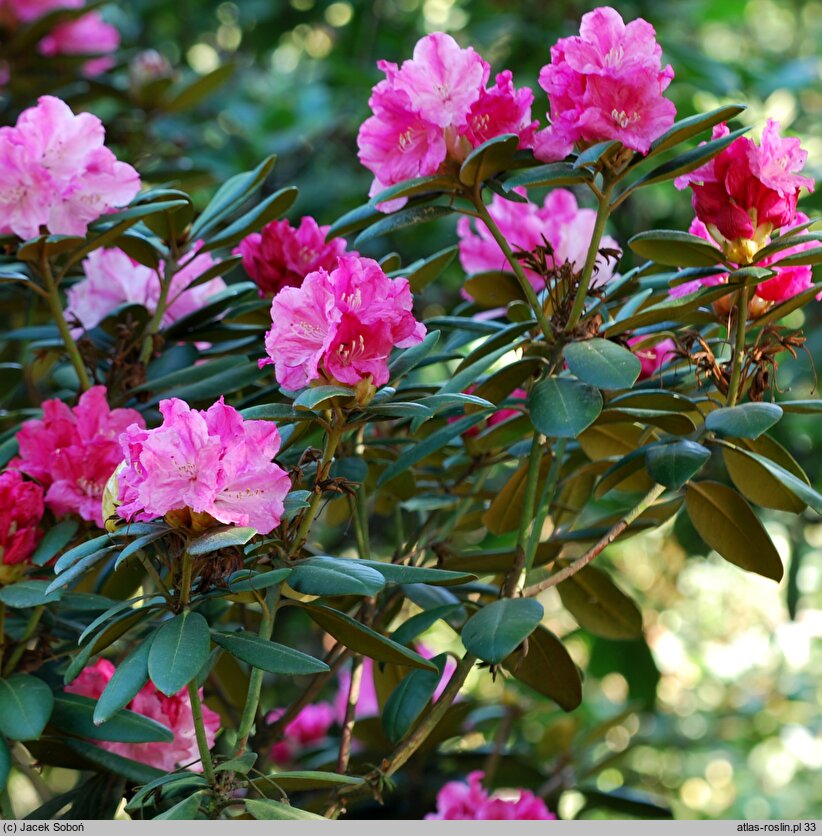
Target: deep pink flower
pixel 789 281
pixel 282 256
pixel 559 222
pixel 87 35
pixel 211 462
pixel 652 357
pixel 458 801
pixel 27 10
pixel 57 173
pixel 311 725
pixel 21 509
pixel 341 324
pixel 114 279
pixel 73 452
pixel 605 84
pixel 434 106
pixel 748 190
pixel 173 712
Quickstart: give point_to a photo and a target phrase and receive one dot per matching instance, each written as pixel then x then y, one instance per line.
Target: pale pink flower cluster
pixel 210 461
pixel 173 712
pixel 788 282
pixel 114 279
pixel 311 725
pixel 748 190
pixel 56 173
pixel 559 222
pixel 72 452
pixel 340 325
pixel 282 255
pixel 21 509
pixel 459 801
pixel 88 34
pixel 605 84
pixel 435 106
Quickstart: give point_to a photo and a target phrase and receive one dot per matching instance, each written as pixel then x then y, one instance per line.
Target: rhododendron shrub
pixel 255 468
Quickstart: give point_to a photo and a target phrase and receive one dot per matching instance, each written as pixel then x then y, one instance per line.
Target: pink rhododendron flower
pixel 55 172
pixel 340 325
pixel 559 222
pixel 282 256
pixel 87 35
pixel 311 725
pixel 27 10
pixel 114 278
pixel 605 84
pixel 652 357
pixel 21 509
pixel 173 712
pixel 211 462
pixel 434 106
pixel 72 452
pixel 748 190
pixel 788 282
pixel 458 801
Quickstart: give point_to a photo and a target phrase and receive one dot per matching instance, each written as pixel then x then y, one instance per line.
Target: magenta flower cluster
pixel 282 255
pixel 72 452
pixel 340 325
pixel 56 173
pixel 211 462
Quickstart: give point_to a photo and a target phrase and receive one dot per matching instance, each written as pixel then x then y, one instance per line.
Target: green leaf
pixel 329 576
pixel 687 162
pixel 80 551
pixel 494 289
pixel 562 407
pixel 312 397
pixel 785 242
pixel 692 125
pixel 53 541
pixel 602 363
pixel 132 770
pixel 748 420
pixel 267 655
pixel 186 809
pixel 421 450
pixel 401 220
pixel 399 574
pixel 409 699
pixel 410 358
pixel 726 523
pixel 596 153
pixel 553 174
pixel 674 464
pixel 5 763
pixel 187 779
pixel 79 568
pixel 361 639
pixel 757 484
pixel 812 256
pixel 419 623
pixel 25 706
pixel 494 632
pixel 802 407
pixel 421 274
pixel 264 809
pixel 599 606
pixel 28 593
pixel 424 187
pixel 221 538
pixel 198 90
pixel 303 780
pixel 129 677
pixel 674 248
pixel 242 765
pixel 488 159
pixel 245 582
pixel 141 542
pixel 73 714
pixel 178 651
pixel 548 669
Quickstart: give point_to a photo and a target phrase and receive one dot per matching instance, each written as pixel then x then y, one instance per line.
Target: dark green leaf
pixel 675 248
pixel 400 220
pixel 193 93
pixel 399 574
pixel 264 809
pixel 602 363
pixel 178 651
pixel 73 714
pixel 314 396
pixel 220 538
pixel 25 706
pixel 419 623
pixel 245 582
pixel 329 576
pixel 692 125
pixel 499 628
pixel 553 174
pixel 268 655
pixel 129 677
pixel 53 541
pixel 494 289
pixel 409 699
pixel 488 159
pixel 562 408
pixel 599 606
pixel 674 464
pixel 186 809
pixel 28 593
pixel 748 420
pixel 5 763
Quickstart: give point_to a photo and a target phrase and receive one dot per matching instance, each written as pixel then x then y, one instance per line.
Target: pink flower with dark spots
pixel 607 83
pixel 458 801
pixel 559 222
pixel 21 509
pixel 174 712
pixel 211 462
pixel 340 325
pixel 72 452
pixel 57 173
pixel 282 255
pixel 87 35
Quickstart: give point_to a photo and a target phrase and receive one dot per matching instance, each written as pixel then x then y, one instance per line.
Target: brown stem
pixel 350 714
